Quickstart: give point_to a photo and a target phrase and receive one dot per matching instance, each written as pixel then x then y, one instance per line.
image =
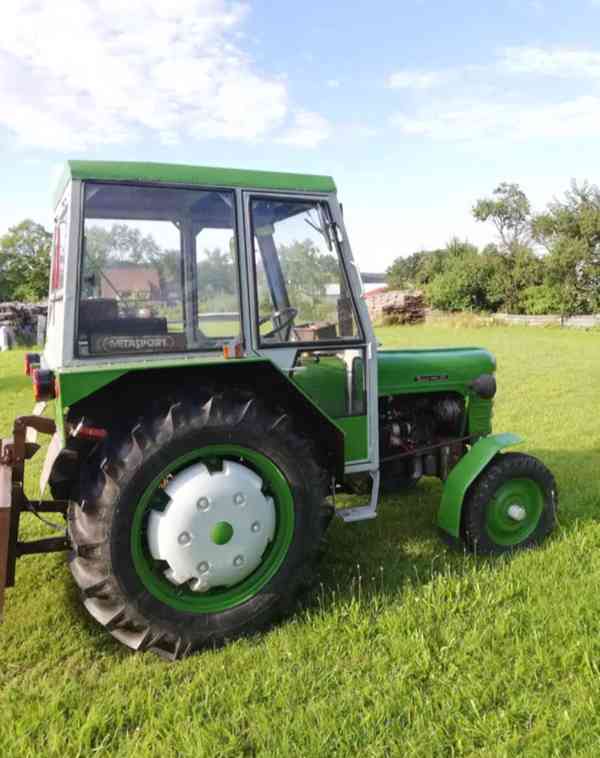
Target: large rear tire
pixel 201 525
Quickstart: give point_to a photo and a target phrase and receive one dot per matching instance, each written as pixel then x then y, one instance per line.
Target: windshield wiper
pixel 323 229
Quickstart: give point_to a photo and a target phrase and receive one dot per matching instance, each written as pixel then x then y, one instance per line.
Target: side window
pixel 59 244
pixel 159 271
pixel 301 285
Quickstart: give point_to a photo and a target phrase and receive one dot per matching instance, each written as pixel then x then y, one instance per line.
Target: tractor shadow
pixel 402 547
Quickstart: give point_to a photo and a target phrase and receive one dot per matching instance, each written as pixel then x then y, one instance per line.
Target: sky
pixel 415 107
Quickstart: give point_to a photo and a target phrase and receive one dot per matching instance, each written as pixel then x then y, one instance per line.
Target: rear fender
pixel 104 395
pixel 464 474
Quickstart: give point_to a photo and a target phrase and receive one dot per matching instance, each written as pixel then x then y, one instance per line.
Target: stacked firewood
pixel 21 319
pixel 395 307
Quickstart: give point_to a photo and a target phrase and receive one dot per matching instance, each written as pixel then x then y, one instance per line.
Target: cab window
pixel 302 291
pixel 159 270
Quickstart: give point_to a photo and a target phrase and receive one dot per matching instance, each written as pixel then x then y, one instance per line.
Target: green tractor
pixel 216 383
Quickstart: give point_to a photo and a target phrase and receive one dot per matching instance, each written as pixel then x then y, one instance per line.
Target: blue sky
pixel 415 107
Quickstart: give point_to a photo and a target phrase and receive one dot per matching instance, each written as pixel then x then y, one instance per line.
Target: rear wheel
pixel 511 505
pixel 202 526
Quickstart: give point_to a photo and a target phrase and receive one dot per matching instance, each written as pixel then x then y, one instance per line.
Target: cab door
pixel 307 314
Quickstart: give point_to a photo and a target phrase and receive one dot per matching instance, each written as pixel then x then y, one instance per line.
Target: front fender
pixel 464 474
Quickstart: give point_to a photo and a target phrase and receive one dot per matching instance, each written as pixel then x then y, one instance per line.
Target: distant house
pixel 374 288
pixel 140 281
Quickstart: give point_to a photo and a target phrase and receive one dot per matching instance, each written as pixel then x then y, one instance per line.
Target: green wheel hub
pixel 514 511
pixel 221 533
pixel 181 597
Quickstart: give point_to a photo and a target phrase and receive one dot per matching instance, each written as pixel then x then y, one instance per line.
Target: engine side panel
pixel 441 371
pixel 436 370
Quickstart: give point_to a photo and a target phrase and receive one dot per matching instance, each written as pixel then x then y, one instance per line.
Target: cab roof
pixel 211 176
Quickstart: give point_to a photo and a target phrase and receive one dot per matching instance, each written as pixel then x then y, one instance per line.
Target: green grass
pixel 409 649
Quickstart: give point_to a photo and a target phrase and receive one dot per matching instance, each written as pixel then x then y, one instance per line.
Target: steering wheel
pixel 288 314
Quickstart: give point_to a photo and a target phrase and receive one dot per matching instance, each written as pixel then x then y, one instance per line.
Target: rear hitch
pixel 14 451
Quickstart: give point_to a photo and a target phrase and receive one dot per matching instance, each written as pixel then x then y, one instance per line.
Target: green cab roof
pixel 211 176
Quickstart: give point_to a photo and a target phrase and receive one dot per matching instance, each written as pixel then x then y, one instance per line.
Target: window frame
pixel 157 355
pixel 360 339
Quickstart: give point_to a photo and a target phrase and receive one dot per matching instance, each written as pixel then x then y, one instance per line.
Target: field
pixel 408 648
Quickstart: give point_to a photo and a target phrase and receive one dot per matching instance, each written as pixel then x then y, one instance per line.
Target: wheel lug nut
pixel 238 561
pixel 202 567
pixel 203 504
pixel 255 526
pixel 184 538
pixel 239 498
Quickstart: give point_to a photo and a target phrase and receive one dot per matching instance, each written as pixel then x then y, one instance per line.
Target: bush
pixel 464 284
pixel 541 299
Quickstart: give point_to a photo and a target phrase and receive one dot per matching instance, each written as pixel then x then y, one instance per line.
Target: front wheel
pixel 203 525
pixel 512 505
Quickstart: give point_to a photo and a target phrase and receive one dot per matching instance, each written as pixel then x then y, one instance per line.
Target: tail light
pixel 89 432
pixel 32 360
pixel 44 386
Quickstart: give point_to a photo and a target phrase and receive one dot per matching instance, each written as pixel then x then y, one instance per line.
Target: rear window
pixel 159 270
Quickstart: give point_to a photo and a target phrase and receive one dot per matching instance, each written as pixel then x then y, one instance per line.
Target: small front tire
pixel 510 506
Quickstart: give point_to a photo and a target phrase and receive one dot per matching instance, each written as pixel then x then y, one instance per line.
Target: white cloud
pixel 333 83
pixel 508 65
pixel 308 130
pixel 412 79
pixel 86 72
pixel 574 118
pixel 560 62
pixel 507 97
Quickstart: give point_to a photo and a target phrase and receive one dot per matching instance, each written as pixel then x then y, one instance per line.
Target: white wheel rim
pixel 215 528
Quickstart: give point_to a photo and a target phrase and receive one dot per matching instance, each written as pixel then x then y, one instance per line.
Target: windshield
pixel 159 270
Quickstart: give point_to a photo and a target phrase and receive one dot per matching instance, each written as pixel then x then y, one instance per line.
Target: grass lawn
pixel 408 649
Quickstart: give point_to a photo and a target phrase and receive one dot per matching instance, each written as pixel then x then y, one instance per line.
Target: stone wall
pixel 578 322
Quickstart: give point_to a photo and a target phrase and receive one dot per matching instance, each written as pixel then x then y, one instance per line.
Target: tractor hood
pixel 405 371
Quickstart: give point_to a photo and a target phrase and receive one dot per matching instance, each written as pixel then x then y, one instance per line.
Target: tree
pixel 464 282
pixel 570 231
pixel 306 270
pixel 541 299
pixel 513 274
pixel 517 267
pixel 216 273
pixel 415 270
pixel 123 245
pixel 510 212
pixel 25 262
